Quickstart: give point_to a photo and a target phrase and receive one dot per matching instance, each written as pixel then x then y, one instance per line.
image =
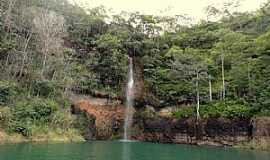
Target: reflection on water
pixel 101 150
pixel 126 150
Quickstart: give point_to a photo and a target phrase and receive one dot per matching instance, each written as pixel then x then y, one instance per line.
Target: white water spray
pixel 129 101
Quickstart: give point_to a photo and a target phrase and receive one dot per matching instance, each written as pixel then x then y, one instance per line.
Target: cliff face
pixel 139 90
pixel 147 126
pixel 108 118
pixel 212 131
pixel 261 128
pixel 217 131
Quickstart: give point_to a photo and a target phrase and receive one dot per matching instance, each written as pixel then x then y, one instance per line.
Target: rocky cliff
pixel 211 131
pixel 150 127
pixel 108 117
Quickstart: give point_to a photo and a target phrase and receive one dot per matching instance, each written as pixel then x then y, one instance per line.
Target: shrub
pixel 263 113
pixel 62 119
pixel 27 113
pixel 5 116
pixel 148 112
pixel 37 109
pixel 64 102
pixel 45 88
pixel 184 112
pixel 229 109
pixel 7 91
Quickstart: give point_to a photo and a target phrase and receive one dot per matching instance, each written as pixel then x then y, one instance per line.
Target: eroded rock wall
pixel 212 131
pixel 261 127
pixel 147 126
pixel 108 118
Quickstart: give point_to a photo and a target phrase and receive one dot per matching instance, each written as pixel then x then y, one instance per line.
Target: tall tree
pixel 50 29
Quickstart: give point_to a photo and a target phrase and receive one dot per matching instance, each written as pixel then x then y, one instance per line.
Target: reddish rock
pixel 109 118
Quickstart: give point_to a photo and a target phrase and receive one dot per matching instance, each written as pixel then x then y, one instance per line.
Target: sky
pixel 193 8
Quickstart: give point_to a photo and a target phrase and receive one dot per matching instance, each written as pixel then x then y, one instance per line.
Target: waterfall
pixel 129 101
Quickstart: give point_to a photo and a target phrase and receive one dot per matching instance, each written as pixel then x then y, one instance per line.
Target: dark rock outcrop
pixel 148 126
pixel 212 131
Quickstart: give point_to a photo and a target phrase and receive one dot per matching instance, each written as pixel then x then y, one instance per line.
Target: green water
pixel 124 151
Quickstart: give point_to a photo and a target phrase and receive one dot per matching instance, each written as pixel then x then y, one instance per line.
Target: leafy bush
pixel 37 109
pixel 62 119
pixel 5 116
pixel 229 109
pixel 263 113
pixel 264 101
pixel 148 112
pixel 7 90
pixel 6 46
pixel 63 101
pixel 27 113
pixel 45 88
pixel 184 112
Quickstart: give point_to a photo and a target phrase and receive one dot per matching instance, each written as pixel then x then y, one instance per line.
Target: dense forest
pixel 49 48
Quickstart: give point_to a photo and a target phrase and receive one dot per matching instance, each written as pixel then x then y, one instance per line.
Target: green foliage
pixel 171 53
pixel 62 119
pixel 264 101
pixel 107 67
pixel 94 57
pixel 108 42
pixel 229 109
pixel 8 91
pixel 45 88
pixel 5 47
pixel 184 112
pixel 263 43
pixel 148 112
pixel 5 116
pixel 28 112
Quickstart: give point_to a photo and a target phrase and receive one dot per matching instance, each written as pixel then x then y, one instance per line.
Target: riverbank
pixel 263 144
pixel 70 135
pixel 240 132
pixel 152 126
pixel 259 144
pixel 106 123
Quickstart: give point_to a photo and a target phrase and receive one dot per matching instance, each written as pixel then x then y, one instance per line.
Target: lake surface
pixel 115 150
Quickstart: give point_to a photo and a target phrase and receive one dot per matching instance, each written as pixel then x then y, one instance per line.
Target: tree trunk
pixel 45 51
pixel 24 54
pixel 44 64
pixel 198 96
pixel 210 88
pixel 7 21
pixel 223 76
pixel 249 80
